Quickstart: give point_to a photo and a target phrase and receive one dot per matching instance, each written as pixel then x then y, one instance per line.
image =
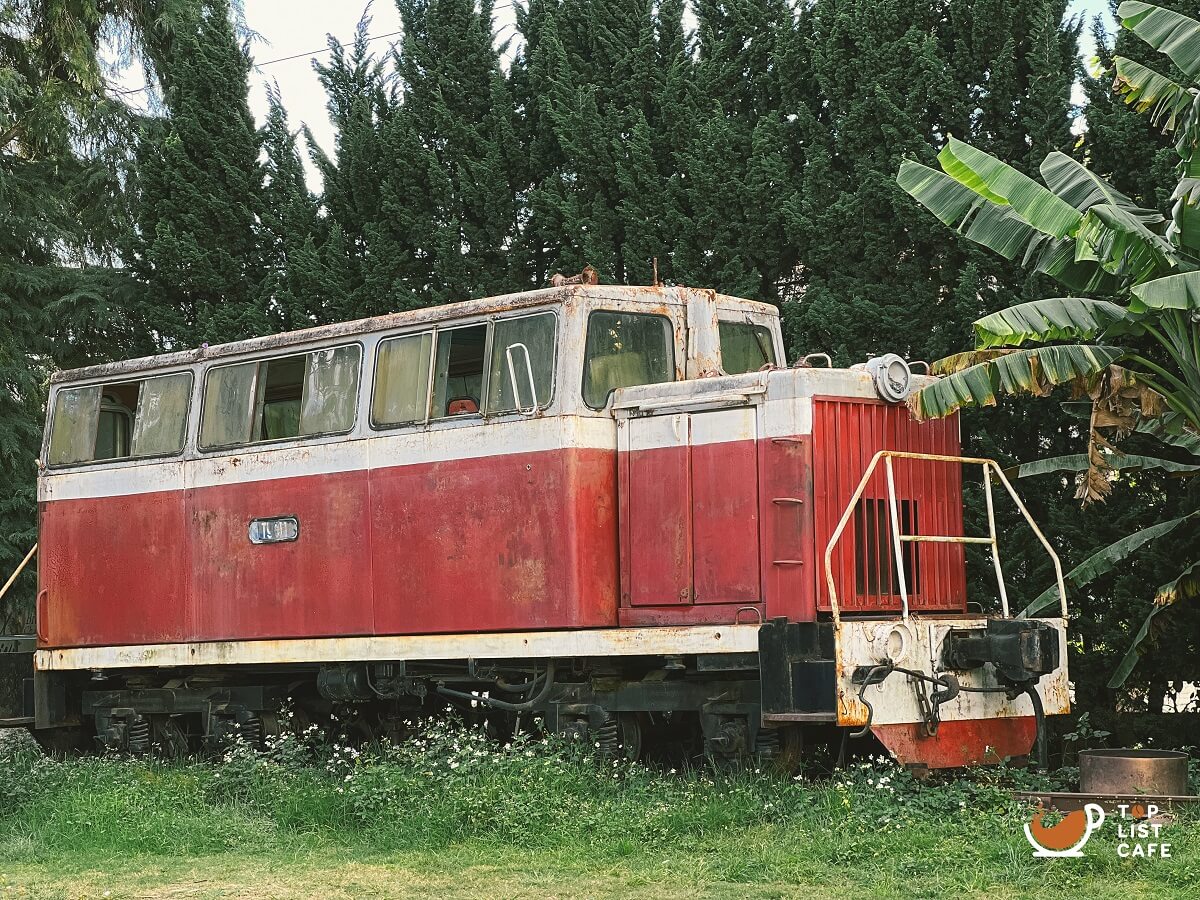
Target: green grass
pixel 451 815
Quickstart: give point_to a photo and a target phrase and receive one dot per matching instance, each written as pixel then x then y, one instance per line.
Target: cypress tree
pixel 294 284
pixel 200 188
pixel 354 244
pixel 448 201
pixel 592 83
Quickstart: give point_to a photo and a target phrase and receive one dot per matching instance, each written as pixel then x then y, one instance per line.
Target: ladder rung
pixel 944 539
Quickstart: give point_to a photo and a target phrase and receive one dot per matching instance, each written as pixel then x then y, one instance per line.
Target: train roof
pixel 660 296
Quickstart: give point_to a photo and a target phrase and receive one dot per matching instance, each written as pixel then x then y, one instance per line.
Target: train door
pixel 689 513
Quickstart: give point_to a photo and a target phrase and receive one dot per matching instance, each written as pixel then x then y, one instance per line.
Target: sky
pixel 290 28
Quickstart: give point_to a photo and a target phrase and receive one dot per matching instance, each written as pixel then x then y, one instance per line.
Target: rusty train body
pixel 613 508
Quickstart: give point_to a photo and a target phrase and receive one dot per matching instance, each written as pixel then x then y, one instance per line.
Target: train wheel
pixel 167 737
pixel 621 736
pixel 780 750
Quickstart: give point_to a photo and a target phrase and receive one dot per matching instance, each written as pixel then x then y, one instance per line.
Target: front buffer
pixel 950 692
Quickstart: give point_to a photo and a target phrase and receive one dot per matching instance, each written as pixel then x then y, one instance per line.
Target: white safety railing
pixel 898 540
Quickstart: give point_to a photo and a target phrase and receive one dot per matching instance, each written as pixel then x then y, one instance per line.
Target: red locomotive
pixel 612 507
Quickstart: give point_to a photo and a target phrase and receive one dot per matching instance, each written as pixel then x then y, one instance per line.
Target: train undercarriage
pixel 763 706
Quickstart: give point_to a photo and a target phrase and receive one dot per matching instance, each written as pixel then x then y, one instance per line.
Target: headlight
pixel 892 377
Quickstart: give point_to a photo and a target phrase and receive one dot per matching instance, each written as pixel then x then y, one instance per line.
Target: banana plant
pixel 1133 359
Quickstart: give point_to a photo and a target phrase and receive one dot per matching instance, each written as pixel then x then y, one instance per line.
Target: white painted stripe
pixel 438 443
pixel 333 455
pixel 651 641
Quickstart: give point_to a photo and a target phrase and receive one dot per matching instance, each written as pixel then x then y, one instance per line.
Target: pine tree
pixel 62 198
pixel 200 188
pixel 741 159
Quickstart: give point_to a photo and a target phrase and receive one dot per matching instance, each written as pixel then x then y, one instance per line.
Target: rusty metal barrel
pixel 1131 772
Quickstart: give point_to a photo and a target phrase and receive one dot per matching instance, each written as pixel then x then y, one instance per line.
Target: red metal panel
pixel 725 523
pixel 498 543
pixel 514 542
pixel 959 742
pixel 113 570
pixel 846 434
pixel 319 585
pixel 656 496
pixel 786 504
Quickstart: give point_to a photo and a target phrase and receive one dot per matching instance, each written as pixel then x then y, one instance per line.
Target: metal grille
pixel 846 434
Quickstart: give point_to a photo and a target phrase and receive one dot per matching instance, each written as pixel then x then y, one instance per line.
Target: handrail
pixel 21 568
pixel 898 539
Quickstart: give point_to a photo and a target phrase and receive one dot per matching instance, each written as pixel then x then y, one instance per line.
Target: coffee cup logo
pixel 1066 837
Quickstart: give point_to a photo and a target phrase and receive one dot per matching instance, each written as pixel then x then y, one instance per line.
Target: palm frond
pixel 1079 462
pixel 1083 189
pixel 1184 586
pixel 1147 91
pixel 996 227
pixel 1180 291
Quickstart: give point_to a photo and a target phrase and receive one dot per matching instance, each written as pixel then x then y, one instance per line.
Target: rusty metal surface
pixel 654 298
pixel 959 742
pixel 868 642
pixel 655 641
pixel 1130 772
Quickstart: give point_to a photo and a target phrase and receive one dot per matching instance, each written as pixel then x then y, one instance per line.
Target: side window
pixel 521 375
pixel 131 419
pixel 470 366
pixel 745 347
pixel 458 372
pixel 401 393
pixel 275 399
pixel 625 349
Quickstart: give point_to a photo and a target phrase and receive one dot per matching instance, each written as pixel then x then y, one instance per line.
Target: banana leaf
pixel 1167 31
pixel 1056 258
pixel 1083 189
pixel 1133 654
pixel 1104 561
pixel 1172 292
pixel 976 378
pixel 1147 91
pixel 1053 319
pixel 1186 585
pixel 1170 429
pixel 996 227
pixel 1005 186
pixel 1078 462
pixel 1123 245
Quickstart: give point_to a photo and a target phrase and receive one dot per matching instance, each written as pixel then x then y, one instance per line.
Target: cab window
pixel 484 369
pixel 521 373
pixel 302 395
pixel 745 347
pixel 458 373
pixel 121 420
pixel 625 349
